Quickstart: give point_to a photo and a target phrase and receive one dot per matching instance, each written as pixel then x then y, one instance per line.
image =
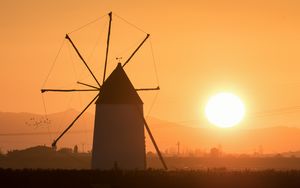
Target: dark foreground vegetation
pixel 217 178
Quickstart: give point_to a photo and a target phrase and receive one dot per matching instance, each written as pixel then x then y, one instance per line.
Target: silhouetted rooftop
pixel 117 89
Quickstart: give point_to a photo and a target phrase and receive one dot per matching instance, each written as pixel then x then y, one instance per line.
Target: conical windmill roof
pixel 117 89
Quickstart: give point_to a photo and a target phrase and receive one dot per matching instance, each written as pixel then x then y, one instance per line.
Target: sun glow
pixel 224 110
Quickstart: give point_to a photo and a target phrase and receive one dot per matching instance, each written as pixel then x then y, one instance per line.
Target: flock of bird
pixel 38 122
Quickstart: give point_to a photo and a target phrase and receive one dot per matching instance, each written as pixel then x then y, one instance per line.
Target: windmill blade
pixel 153 140
pixel 67 90
pixel 78 53
pixel 148 89
pixel 136 49
pixel 107 45
pixel 88 85
pixel 155 145
pixel 56 140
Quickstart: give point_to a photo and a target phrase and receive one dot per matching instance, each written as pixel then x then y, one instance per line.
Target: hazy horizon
pixel 27 130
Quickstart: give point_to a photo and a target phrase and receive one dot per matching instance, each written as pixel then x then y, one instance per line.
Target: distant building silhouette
pixel 75 150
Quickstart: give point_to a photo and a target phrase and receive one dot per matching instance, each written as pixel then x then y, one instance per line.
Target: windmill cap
pixel 118 89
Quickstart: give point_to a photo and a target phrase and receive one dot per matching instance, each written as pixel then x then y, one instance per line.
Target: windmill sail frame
pixel 99 89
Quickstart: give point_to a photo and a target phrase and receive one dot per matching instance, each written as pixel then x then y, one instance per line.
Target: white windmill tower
pixel 119 137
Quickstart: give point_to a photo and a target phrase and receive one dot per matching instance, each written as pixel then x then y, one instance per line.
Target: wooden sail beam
pixel 152 139
pixel 148 89
pixel 56 140
pixel 136 49
pixel 107 45
pixel 155 145
pixel 78 53
pixel 66 90
pixel 88 85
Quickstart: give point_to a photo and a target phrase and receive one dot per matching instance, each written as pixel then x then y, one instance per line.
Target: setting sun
pixel 224 110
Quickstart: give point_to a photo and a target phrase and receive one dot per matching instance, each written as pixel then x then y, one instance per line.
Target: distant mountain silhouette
pixel 236 140
pixel 23 130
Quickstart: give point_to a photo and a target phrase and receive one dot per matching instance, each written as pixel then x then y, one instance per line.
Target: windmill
pixel 119 137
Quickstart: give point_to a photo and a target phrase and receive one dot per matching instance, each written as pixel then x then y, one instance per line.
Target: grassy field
pixel 214 178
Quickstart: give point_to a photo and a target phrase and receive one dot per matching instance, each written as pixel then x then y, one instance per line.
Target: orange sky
pixel 201 47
